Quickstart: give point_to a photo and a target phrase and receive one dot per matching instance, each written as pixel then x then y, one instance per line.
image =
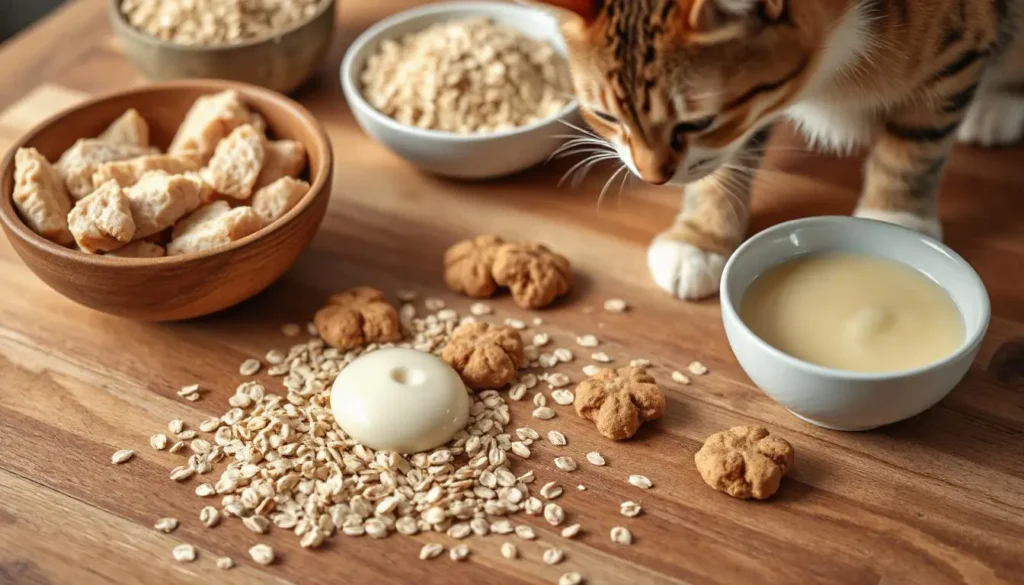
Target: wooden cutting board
pixel 936 499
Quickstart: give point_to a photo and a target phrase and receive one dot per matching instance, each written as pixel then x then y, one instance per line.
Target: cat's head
pixel 676 86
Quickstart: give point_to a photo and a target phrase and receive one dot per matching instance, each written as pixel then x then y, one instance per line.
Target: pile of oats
pixel 217 22
pixel 467 76
pixel 277 461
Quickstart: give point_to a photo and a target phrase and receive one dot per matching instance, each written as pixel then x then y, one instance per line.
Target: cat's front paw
pixel 928 226
pixel 993 120
pixel 684 270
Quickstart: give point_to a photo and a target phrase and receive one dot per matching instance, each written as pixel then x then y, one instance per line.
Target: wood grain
pixel 936 499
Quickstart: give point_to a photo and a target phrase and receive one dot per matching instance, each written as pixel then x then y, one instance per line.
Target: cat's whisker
pixel 577 149
pixel 625 178
pixel 611 180
pixel 588 132
pixel 588 162
pixel 583 151
pixel 582 173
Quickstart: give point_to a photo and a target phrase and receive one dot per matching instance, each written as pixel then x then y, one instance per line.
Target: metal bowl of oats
pixel 468 90
pixel 276 45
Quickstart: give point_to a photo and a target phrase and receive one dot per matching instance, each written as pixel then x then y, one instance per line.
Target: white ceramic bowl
pixel 842 400
pixel 446 153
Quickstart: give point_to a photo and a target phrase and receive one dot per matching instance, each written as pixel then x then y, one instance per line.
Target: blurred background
pixel 18 14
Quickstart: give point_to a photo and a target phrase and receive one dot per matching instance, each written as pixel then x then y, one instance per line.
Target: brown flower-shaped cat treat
pixel 468 264
pixel 744 462
pixel 486 356
pixel 619 401
pixel 535 275
pixel 357 317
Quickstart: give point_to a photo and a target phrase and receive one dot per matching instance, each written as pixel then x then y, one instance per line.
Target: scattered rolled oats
pixel 591 369
pixel 558 380
pixel 621 535
pixel 571 531
pixel 166 525
pixel 431 550
pixel 680 377
pixel 121 456
pixel 516 324
pixel 697 369
pixel 257 524
pixel 261 554
pixel 553 556
pixel 291 330
pixel 158 441
pixel 563 396
pixel 630 509
pixel 563 355
pixel 459 552
pixel 225 563
pixel 184 553
pixel 595 458
pixel 615 306
pixel 209 516
pixel 557 439
pixel 190 392
pixel 501 527
pixel 509 551
pixel 565 463
pixel 587 341
pixel 181 473
pixel 641 481
pixel 601 357
pixel 480 309
pixel 250 367
pixel 544 413
pixel 176 426
pixel 541 339
pixel 540 400
pixel 520 449
pixel 525 531
pixel 640 363
pixel 550 490
pixel 554 514
pixel 570 579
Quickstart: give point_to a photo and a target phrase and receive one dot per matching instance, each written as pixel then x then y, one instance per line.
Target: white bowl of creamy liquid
pixel 852 324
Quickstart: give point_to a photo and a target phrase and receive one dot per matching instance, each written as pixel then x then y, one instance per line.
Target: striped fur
pixel 687 89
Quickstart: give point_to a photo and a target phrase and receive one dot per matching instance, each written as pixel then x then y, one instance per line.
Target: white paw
pixel 684 270
pixel 993 120
pixel 928 226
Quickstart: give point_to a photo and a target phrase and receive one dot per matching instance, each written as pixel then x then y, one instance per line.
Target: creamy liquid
pixel 853 312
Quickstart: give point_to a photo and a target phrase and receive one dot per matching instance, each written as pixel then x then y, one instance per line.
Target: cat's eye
pixel 610 119
pixel 690 127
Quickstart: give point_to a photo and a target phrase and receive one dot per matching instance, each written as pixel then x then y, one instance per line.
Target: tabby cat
pixel 686 92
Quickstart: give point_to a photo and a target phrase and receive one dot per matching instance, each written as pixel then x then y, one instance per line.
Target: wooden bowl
pixel 175 287
pixel 280 63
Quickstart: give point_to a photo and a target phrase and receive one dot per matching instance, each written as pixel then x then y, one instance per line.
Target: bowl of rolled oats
pixel 276 44
pixel 469 90
pixel 168 201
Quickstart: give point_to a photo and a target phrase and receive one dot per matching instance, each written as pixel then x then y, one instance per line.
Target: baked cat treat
pixel 276 199
pixel 236 163
pixel 210 119
pixel 78 164
pixel 41 196
pixel 911 79
pixel 139 249
pixel 357 317
pixel 468 265
pixel 486 356
pixel 102 220
pixel 283 158
pixel 128 172
pixel 158 200
pixel 131 128
pixel 619 401
pixel 745 462
pixel 535 275
pixel 213 225
pixel 482 77
pixel 220 151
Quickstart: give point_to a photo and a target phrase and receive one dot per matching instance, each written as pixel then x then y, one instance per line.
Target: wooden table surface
pixel 936 499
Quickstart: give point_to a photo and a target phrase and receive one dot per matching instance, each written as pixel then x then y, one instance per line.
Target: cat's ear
pixel 706 15
pixel 588 10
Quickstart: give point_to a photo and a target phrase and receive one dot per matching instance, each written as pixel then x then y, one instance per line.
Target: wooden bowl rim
pixel 318 183
pixel 122 25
